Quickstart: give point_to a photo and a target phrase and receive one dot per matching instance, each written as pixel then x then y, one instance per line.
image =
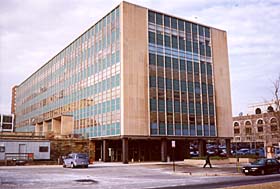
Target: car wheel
pixel 262 172
pixel 279 170
pixel 64 166
pixel 86 166
pixel 72 165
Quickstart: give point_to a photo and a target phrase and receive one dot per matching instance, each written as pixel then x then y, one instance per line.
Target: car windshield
pixel 259 162
pixel 84 156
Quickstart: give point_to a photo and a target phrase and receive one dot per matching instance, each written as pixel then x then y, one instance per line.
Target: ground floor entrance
pixel 159 149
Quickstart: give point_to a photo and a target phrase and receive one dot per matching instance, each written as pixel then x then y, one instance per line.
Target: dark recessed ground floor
pixel 135 149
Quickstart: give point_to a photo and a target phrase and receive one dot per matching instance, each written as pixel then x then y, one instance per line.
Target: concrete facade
pixel 134 82
pixel 222 83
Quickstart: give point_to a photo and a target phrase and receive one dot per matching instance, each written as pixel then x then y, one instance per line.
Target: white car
pixel 76 160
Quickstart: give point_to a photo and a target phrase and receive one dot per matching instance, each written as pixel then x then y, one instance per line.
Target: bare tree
pixel 276 103
pixel 276 94
pixel 274 111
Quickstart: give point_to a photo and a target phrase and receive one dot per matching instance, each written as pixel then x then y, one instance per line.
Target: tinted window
pixel 159 19
pixel 83 156
pixel 151 17
pixel 174 23
pixel 167 21
pixel 43 149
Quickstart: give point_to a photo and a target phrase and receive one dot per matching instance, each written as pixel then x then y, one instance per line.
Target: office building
pixel 133 82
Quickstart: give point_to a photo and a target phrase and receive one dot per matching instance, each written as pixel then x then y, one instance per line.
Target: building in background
pixel 6 123
pixel 136 78
pixel 259 128
pixel 13 104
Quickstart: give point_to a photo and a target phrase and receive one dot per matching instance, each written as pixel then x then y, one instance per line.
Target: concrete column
pixel 180 150
pixel 105 151
pixel 125 150
pixel 37 129
pixel 56 126
pixel 45 128
pixel 228 148
pixel 67 125
pixel 163 150
pixel 202 148
pixel 186 147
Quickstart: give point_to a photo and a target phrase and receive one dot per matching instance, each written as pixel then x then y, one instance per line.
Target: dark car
pixel 262 166
pixel 76 160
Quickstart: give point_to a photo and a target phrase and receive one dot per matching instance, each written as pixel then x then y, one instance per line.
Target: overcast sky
pixel 33 31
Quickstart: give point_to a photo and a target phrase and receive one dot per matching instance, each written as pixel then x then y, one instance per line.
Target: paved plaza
pixel 118 175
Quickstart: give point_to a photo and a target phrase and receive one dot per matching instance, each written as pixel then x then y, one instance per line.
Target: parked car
pixel 194 153
pixel 243 151
pixel 277 154
pixel 76 160
pixel 262 166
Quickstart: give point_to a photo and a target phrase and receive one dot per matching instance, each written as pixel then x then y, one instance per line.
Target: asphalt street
pixel 117 175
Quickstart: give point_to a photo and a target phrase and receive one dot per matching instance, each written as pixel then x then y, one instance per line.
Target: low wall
pixel 241 160
pixel 62 147
pixel 202 161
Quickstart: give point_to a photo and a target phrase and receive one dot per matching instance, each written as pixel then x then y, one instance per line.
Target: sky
pixel 33 31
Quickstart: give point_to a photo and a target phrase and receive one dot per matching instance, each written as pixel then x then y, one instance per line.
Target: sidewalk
pixel 182 168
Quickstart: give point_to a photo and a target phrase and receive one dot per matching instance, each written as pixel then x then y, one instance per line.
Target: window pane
pixel 167 41
pixel 174 23
pixel 174 42
pixel 176 85
pixel 160 82
pixel 168 84
pixel 166 21
pixel 161 106
pixel 152 81
pixel 159 39
pixel 152 59
pixel 182 65
pixel 169 106
pixel 153 105
pixel 177 129
pixel 158 19
pixel 170 129
pixel 151 17
pixel 199 130
pixel 185 129
pixel 160 60
pixel 183 86
pixel 162 130
pixel 167 62
pixel 193 133
pixel 175 63
pixel 152 37
pixel 181 25
pixel 191 108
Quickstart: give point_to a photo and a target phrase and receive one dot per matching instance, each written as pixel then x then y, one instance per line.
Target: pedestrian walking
pixel 207 161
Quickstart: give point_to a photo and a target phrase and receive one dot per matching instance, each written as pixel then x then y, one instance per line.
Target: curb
pixel 205 174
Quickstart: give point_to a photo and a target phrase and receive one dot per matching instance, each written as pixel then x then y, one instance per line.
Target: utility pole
pixel 173 145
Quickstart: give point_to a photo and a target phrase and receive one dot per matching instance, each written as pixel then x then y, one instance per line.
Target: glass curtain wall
pixel 83 81
pixel 181 84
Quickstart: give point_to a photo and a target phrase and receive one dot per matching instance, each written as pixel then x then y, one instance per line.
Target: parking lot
pixel 117 175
